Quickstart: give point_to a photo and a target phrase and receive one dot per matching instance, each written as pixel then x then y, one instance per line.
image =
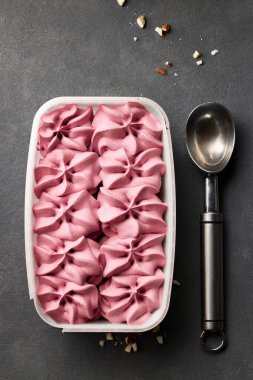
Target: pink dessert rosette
pixel 65 171
pixel 68 302
pixel 68 127
pixel 128 212
pixel 132 256
pixel 75 261
pixel 66 217
pixel 120 170
pixel 131 299
pixel 129 126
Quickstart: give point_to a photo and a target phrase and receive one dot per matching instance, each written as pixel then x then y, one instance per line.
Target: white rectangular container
pixel 168 196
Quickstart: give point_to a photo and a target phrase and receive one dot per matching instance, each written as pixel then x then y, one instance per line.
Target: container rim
pixel 170 197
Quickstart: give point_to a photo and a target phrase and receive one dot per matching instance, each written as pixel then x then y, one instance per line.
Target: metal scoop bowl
pixel 210 139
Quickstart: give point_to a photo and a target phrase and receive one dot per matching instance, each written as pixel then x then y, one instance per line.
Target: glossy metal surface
pixel 210 136
pixel 211 194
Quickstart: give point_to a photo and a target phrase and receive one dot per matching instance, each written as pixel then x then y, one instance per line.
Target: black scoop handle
pixel 212 302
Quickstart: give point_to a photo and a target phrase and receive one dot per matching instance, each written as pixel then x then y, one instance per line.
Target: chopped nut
pixel 135 347
pixel 162 71
pixel 128 348
pixel 159 31
pixel 129 339
pixel 175 282
pixel 167 63
pixel 214 52
pixel 141 21
pixel 135 39
pixel 102 343
pixel 156 329
pixel 109 336
pixel 200 62
pixel 165 27
pixel 159 339
pixel 197 54
pixel 121 2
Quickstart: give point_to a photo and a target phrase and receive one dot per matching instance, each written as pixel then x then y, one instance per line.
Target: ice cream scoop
pixel 210 138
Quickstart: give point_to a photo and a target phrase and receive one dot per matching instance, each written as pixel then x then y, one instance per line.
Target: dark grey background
pixel 85 47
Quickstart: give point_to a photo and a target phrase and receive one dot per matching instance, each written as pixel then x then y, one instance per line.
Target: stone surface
pixel 85 47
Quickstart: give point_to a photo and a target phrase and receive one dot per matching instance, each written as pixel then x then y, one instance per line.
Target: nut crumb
pixel 159 339
pixel 166 28
pixel 214 52
pixel 175 282
pixel 176 75
pixel 141 21
pixel 156 329
pixel 101 343
pixel 161 71
pixel 159 31
pixel 129 339
pixel 170 64
pixel 121 2
pixel 199 62
pixel 135 39
pixel 109 336
pixel 128 348
pixel 197 54
pixel 135 347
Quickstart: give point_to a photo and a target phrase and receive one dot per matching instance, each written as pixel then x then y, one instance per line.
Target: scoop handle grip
pixel 212 302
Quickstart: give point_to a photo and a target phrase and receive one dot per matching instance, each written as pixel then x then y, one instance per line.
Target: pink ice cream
pixel 131 299
pixel 129 126
pixel 67 217
pixel 65 171
pixel 66 127
pixel 120 170
pixel 132 256
pixel 71 260
pixel 68 302
pixel 99 218
pixel 128 212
